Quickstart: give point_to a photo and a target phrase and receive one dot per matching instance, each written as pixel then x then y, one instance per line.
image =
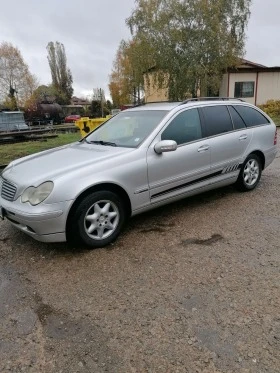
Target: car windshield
pixel 127 129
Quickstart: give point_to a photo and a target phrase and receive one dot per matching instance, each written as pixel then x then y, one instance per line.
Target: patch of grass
pixel 11 152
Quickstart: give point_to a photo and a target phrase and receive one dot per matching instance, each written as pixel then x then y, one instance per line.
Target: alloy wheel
pixel 101 219
pixel 251 172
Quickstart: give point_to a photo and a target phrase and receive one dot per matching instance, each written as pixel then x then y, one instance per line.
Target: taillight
pixel 275 137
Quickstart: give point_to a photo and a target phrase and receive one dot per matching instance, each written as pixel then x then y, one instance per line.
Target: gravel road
pixel 193 287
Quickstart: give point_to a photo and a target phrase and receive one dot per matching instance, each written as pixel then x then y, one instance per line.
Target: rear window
pixel 251 116
pixel 217 120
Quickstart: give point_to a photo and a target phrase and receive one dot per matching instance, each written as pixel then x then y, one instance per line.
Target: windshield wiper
pixel 101 142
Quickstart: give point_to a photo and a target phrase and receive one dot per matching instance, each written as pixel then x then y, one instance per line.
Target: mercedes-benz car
pixel 142 158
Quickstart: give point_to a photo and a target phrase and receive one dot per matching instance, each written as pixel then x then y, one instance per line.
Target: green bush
pixel 272 108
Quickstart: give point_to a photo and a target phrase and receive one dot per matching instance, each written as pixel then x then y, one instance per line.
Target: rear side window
pixel 251 116
pixel 184 128
pixel 238 122
pixel 217 120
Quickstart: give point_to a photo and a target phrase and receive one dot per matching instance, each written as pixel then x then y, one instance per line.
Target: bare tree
pixel 61 75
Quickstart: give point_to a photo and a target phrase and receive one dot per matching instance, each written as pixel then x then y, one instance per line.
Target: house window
pixel 244 89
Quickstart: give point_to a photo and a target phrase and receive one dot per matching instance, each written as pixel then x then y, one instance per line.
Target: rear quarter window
pixel 251 116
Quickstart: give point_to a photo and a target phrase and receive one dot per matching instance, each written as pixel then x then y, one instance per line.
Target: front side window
pixel 217 120
pixel 251 116
pixel 184 128
pixel 128 128
pixel 244 89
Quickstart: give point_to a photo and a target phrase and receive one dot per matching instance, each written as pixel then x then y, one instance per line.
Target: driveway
pixel 191 287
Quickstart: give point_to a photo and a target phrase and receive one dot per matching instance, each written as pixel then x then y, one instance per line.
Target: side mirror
pixel 165 146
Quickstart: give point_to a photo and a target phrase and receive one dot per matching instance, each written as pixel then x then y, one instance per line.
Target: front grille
pixel 7 189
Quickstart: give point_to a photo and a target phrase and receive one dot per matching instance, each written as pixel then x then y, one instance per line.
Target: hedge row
pixel 272 108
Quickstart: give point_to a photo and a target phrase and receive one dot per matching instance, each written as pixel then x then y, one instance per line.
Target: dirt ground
pixel 193 287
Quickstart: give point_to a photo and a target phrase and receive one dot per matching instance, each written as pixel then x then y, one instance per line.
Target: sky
pixel 91 31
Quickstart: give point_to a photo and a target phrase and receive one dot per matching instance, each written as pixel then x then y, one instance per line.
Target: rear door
pixel 228 137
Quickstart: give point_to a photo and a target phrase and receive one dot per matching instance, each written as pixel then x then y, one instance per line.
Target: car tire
pixel 250 174
pixel 97 220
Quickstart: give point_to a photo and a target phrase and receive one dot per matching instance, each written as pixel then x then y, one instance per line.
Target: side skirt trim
pixel 193 182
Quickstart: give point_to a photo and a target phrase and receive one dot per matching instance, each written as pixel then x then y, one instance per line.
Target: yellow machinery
pixel 86 125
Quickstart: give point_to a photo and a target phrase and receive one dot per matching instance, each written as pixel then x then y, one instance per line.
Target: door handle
pixel 203 148
pixel 243 137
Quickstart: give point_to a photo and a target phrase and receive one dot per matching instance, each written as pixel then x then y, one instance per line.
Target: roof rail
pixel 156 102
pixel 210 99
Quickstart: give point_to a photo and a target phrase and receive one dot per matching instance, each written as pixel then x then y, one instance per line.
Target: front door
pixel 176 173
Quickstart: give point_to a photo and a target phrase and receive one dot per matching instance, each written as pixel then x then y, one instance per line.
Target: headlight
pixel 27 194
pixel 37 195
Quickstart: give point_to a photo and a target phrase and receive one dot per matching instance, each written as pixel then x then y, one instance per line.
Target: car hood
pixel 54 163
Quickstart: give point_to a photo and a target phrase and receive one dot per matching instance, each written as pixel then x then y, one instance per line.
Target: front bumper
pixel 44 222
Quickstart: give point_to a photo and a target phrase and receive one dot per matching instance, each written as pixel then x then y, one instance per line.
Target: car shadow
pixel 143 223
pixel 193 202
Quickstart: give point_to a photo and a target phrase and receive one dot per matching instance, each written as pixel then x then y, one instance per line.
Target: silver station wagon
pixel 140 159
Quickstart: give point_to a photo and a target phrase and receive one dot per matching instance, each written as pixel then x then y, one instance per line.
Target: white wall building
pixel 252 82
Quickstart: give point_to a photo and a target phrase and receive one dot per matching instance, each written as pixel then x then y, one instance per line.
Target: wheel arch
pixel 111 187
pixel 260 155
